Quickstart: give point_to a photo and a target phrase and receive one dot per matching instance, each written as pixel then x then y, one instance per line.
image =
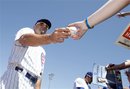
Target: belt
pixel 32 78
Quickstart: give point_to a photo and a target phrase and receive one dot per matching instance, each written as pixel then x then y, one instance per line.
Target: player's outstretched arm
pixel 120 66
pixel 58 36
pixel 106 11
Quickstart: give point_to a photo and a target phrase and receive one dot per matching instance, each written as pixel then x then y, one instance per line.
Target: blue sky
pixel 70 59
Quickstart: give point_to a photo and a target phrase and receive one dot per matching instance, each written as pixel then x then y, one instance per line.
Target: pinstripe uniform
pixel 80 84
pixel 30 59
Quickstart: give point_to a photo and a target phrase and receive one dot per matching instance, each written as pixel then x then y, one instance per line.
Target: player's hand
pixel 82 28
pixel 59 35
pixel 109 66
pixel 121 15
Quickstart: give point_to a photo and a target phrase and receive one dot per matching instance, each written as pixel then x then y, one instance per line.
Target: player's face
pixel 90 80
pixel 41 28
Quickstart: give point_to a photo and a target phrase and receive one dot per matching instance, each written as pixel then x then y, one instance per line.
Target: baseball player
pixel 26 62
pixel 83 83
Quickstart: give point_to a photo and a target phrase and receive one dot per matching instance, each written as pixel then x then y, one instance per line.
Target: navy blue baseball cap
pixel 45 21
pixel 89 74
pixel 104 88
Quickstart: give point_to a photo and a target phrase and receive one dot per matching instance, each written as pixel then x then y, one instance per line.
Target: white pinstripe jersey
pixel 79 82
pixel 27 57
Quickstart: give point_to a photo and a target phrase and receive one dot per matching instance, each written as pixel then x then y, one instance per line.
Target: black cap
pixel 45 21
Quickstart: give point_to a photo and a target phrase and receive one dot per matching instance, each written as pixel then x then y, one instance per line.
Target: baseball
pixel 73 30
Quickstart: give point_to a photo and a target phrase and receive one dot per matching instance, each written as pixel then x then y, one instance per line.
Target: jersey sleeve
pixel 22 32
pixel 127 62
pixel 81 84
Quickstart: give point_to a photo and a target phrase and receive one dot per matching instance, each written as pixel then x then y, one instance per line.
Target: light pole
pixel 51 75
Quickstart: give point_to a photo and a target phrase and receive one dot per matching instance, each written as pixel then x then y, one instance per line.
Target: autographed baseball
pixel 73 30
